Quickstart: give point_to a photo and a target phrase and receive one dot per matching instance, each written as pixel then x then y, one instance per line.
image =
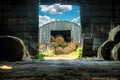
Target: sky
pixel 58 12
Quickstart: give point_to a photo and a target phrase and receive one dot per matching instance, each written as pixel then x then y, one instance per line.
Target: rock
pixel 115 53
pixel 13 49
pixel 104 51
pixel 109 49
pixel 113 33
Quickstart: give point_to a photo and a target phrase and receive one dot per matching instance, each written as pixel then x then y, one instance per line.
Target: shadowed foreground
pixel 60 70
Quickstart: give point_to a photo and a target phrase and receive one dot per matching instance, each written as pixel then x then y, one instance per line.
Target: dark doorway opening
pixel 65 33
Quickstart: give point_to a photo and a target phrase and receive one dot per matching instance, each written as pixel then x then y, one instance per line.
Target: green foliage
pixel 40 55
pixel 50 53
pixel 77 53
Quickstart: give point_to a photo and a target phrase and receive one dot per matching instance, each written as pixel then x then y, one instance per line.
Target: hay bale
pixel 77 44
pixel 13 49
pixel 52 38
pixel 115 53
pixel 72 45
pixel 59 50
pixel 59 39
pixel 67 50
pixel 53 44
pixel 59 35
pixel 63 44
pixel 52 49
pixel 42 45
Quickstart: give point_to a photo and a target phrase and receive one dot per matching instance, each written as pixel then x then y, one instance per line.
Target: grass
pixel 40 55
pixel 77 53
pixel 49 53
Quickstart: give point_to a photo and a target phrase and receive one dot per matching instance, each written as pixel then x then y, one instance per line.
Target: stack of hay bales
pixel 110 49
pixel 42 46
pixel 61 46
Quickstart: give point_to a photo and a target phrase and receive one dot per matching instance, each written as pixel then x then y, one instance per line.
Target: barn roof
pixel 60 22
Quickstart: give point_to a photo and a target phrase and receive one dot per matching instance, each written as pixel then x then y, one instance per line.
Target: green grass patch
pixel 42 54
pixel 77 53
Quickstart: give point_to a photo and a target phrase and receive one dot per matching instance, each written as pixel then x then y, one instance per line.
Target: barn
pixel 19 18
pixel 64 28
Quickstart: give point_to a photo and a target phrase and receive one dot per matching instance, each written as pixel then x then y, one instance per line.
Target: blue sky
pixel 56 12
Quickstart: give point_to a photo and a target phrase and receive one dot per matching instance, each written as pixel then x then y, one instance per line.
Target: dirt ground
pixel 78 69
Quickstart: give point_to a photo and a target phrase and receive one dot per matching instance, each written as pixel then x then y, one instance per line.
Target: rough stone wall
pixel 97 19
pixel 20 18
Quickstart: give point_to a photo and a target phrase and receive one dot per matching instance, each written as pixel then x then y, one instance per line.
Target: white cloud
pixel 55 9
pixel 44 20
pixel 76 20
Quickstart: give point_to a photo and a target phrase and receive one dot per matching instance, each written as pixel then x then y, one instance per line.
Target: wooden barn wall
pixel 20 18
pixel 97 19
pixel 44 31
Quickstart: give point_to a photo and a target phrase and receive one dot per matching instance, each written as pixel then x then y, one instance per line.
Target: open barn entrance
pixel 66 34
pixel 56 40
pixel 60 40
pixel 63 36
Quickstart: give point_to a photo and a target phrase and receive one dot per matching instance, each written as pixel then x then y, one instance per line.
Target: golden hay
pixel 59 39
pixel 77 44
pixel 52 38
pixel 52 49
pixel 67 50
pixel 53 44
pixel 59 35
pixel 63 44
pixel 59 50
pixel 72 45
pixel 42 45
